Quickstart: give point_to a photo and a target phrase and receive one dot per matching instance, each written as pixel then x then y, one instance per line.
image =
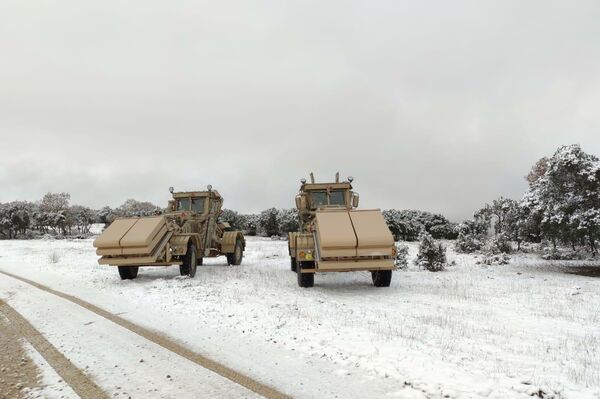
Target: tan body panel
pixel 179 243
pixel 373 235
pixel 292 244
pixel 303 243
pixel 350 240
pixel 143 232
pixel 152 257
pixel 139 261
pixel 139 236
pixel 354 265
pixel 111 237
pixel 229 239
pixel 335 234
pixel 122 250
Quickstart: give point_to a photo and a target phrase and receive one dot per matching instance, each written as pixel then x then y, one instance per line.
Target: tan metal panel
pixel 228 241
pixel 109 251
pixel 148 249
pixel 374 236
pixel 134 250
pixel 155 256
pixel 355 265
pixel 335 234
pixel 292 241
pixel 143 232
pixel 113 234
pixel 179 243
pixel 305 241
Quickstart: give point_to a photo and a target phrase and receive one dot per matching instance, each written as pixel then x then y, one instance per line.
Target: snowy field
pixel 528 328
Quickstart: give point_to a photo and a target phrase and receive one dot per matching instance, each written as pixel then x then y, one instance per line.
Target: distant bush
pixel 251 222
pixel 432 255
pixel 495 259
pixel 499 244
pixel 235 220
pixel 496 250
pixel 407 225
pixel 401 259
pixel 287 220
pixel 472 235
pixel 551 253
pixel 268 223
pixel 133 207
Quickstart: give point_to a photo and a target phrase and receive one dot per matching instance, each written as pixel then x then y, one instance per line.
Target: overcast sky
pixel 435 105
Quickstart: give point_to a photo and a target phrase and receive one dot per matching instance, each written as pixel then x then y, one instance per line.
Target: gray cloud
pixel 431 105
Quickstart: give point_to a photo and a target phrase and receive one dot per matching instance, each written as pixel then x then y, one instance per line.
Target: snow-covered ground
pixel 509 331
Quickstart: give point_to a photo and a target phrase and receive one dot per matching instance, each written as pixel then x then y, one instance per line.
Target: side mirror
pixel 354 200
pixel 172 206
pixel 299 201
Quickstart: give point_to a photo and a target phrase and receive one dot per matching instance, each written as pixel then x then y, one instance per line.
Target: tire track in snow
pixel 77 379
pixel 167 343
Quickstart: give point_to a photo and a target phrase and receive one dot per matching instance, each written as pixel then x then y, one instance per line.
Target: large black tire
pixel 305 280
pixel 236 257
pixel 183 269
pixel 381 278
pixel 190 262
pixel 128 272
pixel 293 264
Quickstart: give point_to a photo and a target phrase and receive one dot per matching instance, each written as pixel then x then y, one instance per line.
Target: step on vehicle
pixel 186 234
pixel 334 236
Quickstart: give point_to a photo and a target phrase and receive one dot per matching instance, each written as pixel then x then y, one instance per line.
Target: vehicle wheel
pixel 305 280
pixel 236 257
pixel 183 269
pixel 381 278
pixel 293 264
pixel 128 272
pixel 190 262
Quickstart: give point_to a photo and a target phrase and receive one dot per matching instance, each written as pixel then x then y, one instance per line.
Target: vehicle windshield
pixel 336 198
pixel 319 198
pixel 198 205
pixel 183 204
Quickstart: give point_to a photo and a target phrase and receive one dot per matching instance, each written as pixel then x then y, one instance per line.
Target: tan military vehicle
pixel 334 236
pixel 187 233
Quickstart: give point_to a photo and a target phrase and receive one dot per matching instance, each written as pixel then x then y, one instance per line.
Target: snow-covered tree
pixel 472 234
pixel 401 258
pixel 105 215
pixel 538 170
pixel 432 255
pixel 55 202
pixel 251 224
pixel 83 217
pixel 268 222
pixel 565 200
pixel 407 225
pixel 235 220
pixel 15 218
pixel 287 221
pixel 132 207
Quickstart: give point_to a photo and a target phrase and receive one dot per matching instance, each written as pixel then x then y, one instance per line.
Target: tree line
pixel 54 215
pixel 561 206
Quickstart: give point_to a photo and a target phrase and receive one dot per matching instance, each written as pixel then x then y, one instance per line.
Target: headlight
pixel 307 255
